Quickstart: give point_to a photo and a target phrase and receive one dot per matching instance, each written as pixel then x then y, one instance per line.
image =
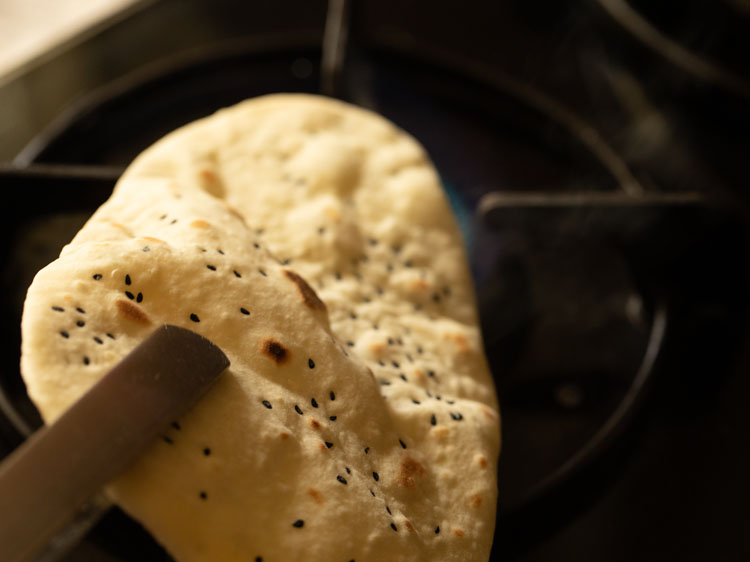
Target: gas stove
pixel 593 155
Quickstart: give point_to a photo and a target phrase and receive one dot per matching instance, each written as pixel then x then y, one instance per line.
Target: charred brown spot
pixel 309 297
pixel 458 533
pixel 155 240
pixel 236 213
pixel 481 461
pixel 409 526
pixel 275 351
pixel 284 435
pixel 315 424
pixel 488 414
pixel 201 224
pixel 408 470
pixel 462 344
pixel 476 500
pixel 316 496
pixel 132 312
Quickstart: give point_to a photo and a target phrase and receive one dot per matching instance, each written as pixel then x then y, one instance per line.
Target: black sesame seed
pixel 139 298
pixel 146 248
pixel 98 340
pixel 207 451
pixel 203 495
pixel 314 403
pixel 390 341
pixel 403 445
pixel 419 350
pixel 389 267
pixel 402 376
pixel 256 245
pixel 321 230
pixel 337 275
pixel 399 341
pixel 297 409
pixel 384 382
pixel 176 425
pixel 58 309
pixel 366 299
pixel 258 559
pixel 173 221
pixel 393 526
pixel 458 416
pixel 438 397
pixel 244 311
pixel 350 344
pixel 388 509
pixel 353 315
pixel 211 267
pixel 332 418
pixel 127 280
pixel 64 334
pixel 220 251
pixel 433 420
pixel 450 402
pixel 417 402
pixel 263 273
pixel 130 295
pixel 341 479
pixel 167 440
pixel 395 364
pixel 97 276
pixel 372 493
pixel 79 309
pixel 408 263
pixel 161 218
pixel 328 444
pixel 430 373
pixel 267 404
pixel 237 274
pixel 311 363
pixel 381 363
pixel 367 450
pixel 110 336
pixel 347 470
pixel 376 476
pixel 372 242
pixel 80 323
pixel 202 249
pixel 379 290
pixel 86 361
pixel 194 317
pixel 332 395
pixel 437 530
pixel 435 298
pixel 409 358
pixel 298 523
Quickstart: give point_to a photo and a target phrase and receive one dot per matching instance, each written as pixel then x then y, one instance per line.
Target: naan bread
pixel 311 241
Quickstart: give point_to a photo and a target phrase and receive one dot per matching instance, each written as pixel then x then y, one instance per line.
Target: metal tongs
pixel 63 465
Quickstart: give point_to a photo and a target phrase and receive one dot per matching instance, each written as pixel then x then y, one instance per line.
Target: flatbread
pixel 311 241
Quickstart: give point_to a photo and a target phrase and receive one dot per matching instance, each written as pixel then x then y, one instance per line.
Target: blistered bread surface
pixel 312 242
